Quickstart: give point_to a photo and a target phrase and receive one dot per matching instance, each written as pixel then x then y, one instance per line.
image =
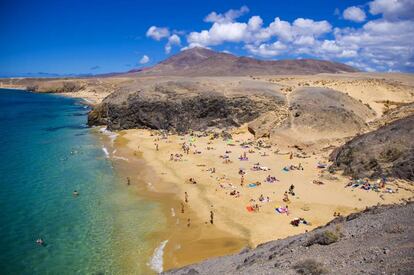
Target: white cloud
pixel 267 50
pixel 218 34
pixel 144 60
pixel 305 41
pixel 354 14
pixel 255 23
pixel 310 27
pixel 158 33
pixel 227 17
pixel 380 43
pixel 253 32
pixel 393 9
pixel 172 40
pixel 384 43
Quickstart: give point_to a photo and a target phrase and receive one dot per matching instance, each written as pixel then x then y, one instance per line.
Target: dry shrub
pixel 310 267
pixel 324 238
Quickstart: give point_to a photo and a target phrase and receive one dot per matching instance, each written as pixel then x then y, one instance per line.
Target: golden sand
pixel 234 227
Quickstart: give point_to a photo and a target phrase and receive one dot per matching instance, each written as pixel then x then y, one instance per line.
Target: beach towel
pixel 321 165
pixel 281 210
pixel 249 208
pixel 252 185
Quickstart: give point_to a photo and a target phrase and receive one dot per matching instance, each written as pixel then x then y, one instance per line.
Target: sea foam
pixel 105 151
pixel 112 136
pixel 121 158
pixel 156 263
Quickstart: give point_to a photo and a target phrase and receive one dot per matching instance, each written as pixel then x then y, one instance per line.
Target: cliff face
pixel 180 107
pixel 388 151
pixel 183 105
pixel 385 234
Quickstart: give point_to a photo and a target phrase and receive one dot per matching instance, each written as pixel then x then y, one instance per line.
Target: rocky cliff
pixel 388 151
pixel 181 106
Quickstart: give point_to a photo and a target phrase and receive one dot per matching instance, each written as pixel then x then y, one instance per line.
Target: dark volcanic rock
pixel 388 151
pixel 168 107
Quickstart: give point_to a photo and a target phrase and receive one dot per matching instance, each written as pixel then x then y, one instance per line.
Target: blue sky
pixel 94 36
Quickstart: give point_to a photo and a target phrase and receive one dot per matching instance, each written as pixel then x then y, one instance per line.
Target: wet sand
pixel 157 178
pixel 186 244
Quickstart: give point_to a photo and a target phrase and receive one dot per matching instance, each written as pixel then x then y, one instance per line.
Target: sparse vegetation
pixel 32 88
pixel 324 238
pixel 310 267
pixel 70 87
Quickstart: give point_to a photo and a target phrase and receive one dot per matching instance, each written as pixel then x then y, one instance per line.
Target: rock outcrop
pixel 328 110
pixel 180 107
pixel 388 151
pixel 315 113
pixel 378 240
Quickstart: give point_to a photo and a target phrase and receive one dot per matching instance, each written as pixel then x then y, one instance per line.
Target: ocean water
pixel 47 152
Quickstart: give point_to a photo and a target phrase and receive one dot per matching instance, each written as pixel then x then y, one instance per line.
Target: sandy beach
pixel 219 189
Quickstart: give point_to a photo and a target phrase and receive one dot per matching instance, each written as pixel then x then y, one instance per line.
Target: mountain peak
pixel 198 61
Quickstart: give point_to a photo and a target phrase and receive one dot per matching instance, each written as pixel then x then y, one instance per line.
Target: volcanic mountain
pixel 204 62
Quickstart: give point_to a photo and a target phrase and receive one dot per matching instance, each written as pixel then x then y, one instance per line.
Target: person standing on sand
pixel 156 147
pixel 188 222
pixel 182 208
pixel 286 197
pixel 186 197
pixel 291 155
pixel 242 180
pixel 292 190
pixel 128 181
pixel 211 217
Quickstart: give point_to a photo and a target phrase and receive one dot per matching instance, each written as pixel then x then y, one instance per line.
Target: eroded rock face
pixel 168 107
pixel 388 151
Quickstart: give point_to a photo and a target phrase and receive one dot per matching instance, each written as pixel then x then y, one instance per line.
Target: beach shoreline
pixel 234 226
pixel 183 245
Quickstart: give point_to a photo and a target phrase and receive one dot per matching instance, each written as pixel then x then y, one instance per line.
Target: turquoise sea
pixel 47 152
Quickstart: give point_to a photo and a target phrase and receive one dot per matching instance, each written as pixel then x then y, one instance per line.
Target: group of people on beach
pixel 255 205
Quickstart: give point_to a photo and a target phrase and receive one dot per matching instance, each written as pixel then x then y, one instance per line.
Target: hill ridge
pixel 205 62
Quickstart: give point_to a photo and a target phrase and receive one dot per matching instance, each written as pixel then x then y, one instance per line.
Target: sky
pixel 42 37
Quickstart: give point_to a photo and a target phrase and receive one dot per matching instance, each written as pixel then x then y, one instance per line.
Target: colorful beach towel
pixel 252 185
pixel 249 208
pixel 281 210
pixel 321 165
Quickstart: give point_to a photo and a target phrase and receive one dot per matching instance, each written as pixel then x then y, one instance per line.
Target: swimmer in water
pixel 75 193
pixel 40 242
